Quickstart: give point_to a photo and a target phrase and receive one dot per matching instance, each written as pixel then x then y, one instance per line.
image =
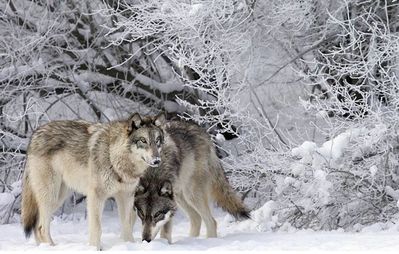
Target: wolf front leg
pixel 127 215
pixel 95 206
pixel 166 231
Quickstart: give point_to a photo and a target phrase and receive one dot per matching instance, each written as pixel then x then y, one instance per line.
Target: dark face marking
pixel 147 143
pixel 146 138
pixel 153 207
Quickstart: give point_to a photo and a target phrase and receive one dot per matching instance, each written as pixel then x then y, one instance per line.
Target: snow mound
pixel 330 152
pixel 264 218
pixel 305 151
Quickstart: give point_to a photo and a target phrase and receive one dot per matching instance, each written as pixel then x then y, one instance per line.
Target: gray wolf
pixel 97 160
pixel 190 175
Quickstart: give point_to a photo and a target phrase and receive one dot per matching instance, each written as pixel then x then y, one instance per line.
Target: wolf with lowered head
pixel 97 160
pixel 190 175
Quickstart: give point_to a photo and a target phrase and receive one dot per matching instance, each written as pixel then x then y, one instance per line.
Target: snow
pixel 373 170
pixel 195 8
pixel 220 138
pixel 173 85
pixel 6 198
pixel 305 151
pixel 330 152
pixel 391 192
pixel 22 70
pixel 322 186
pixel 171 106
pixel 16 188
pixel 257 234
pixel 263 217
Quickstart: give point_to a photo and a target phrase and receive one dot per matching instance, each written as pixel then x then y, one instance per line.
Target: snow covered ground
pixel 248 235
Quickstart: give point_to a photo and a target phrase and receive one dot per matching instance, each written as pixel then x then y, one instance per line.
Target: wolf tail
pixel 223 193
pixel 29 208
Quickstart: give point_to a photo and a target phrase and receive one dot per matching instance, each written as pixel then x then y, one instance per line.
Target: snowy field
pixel 248 235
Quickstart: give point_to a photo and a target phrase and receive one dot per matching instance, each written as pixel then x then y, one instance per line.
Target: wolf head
pixel 155 205
pixel 146 138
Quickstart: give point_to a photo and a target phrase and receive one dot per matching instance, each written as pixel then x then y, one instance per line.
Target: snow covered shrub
pixel 198 39
pixel 202 41
pixel 320 187
pixel 350 179
pixel 205 41
pixel 353 177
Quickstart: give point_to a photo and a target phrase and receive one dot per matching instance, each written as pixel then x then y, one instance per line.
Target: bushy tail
pixel 223 193
pixel 29 209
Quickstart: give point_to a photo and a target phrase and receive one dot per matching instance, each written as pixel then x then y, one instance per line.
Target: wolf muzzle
pixel 156 161
pixel 147 238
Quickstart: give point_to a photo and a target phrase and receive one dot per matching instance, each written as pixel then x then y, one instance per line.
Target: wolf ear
pixel 160 119
pixel 166 189
pixel 134 122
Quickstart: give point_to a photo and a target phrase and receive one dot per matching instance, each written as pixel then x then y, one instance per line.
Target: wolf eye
pixel 159 216
pixel 140 213
pixel 141 142
pixel 163 212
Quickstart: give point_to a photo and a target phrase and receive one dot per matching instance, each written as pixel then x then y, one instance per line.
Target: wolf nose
pixel 157 161
pixel 147 240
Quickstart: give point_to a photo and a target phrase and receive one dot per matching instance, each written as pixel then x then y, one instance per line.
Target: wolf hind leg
pixel 201 205
pixel 42 230
pixel 47 193
pixel 195 218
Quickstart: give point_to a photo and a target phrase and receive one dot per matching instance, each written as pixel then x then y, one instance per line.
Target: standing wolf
pixel 97 160
pixel 190 174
